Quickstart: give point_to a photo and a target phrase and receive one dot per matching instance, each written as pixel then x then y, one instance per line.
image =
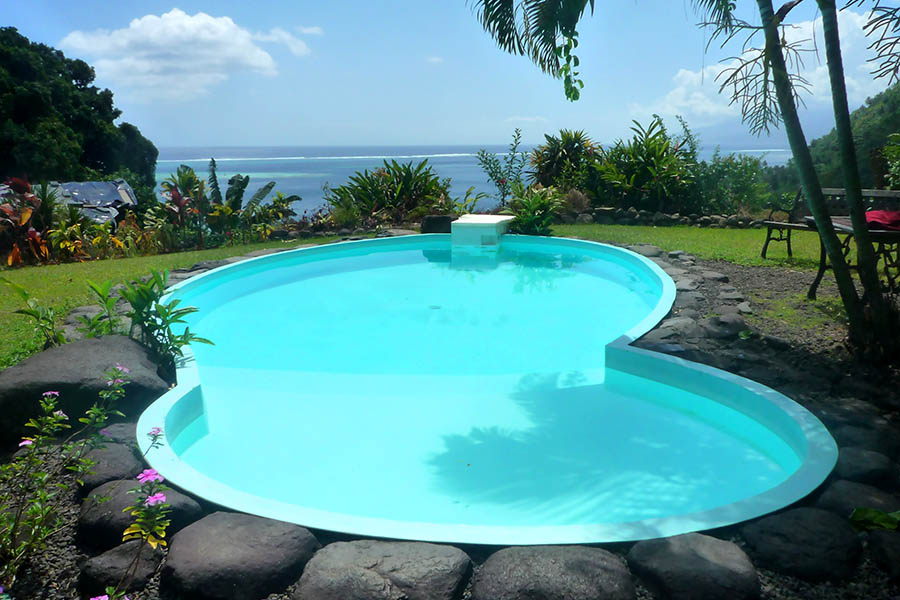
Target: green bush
pixel 534 210
pixel 732 184
pixel 651 171
pixel 389 193
pixel 565 162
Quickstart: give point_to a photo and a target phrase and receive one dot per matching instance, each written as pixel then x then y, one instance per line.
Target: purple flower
pixel 2 589
pixel 157 498
pixel 155 432
pixel 61 414
pixel 103 597
pixel 48 393
pixel 149 475
pixel 122 368
pixel 25 442
pixel 105 432
pixel 116 381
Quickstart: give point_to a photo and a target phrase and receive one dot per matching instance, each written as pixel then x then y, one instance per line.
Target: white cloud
pixel 695 94
pixel 314 30
pixel 297 46
pixel 434 59
pixel 525 120
pixel 177 56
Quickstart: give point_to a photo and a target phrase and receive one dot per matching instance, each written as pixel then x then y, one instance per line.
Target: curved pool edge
pixel 816 446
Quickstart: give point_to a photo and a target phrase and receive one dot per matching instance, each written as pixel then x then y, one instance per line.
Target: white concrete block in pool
pixel 479 230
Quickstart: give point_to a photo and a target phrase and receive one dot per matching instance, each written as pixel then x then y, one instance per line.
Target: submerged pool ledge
pixel 182 409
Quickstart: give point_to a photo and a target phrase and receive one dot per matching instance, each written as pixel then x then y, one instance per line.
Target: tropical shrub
pixel 152 320
pixel 891 153
pixel 732 184
pixel 651 171
pixel 564 162
pixel 389 193
pixel 20 210
pixel 505 174
pixel 534 209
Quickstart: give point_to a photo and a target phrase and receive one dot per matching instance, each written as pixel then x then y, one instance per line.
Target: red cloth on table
pixel 883 219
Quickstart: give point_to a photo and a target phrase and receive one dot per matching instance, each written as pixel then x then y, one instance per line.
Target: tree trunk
pixel 881 327
pixel 809 180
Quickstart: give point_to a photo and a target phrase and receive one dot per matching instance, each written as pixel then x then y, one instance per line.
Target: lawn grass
pixel 740 246
pixel 64 287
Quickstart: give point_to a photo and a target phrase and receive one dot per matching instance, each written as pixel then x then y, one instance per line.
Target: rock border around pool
pixel 807 550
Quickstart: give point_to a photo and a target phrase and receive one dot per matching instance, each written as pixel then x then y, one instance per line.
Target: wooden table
pixel 886 244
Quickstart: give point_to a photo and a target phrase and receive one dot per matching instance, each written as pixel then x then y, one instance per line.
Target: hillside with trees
pixel 872 124
pixel 54 124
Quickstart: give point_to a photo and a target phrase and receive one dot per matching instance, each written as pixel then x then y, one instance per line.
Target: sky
pixel 404 72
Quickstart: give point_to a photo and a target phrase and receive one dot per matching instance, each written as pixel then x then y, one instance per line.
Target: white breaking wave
pixel 257 158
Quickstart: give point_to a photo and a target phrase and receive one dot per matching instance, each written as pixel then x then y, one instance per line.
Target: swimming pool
pixel 407 388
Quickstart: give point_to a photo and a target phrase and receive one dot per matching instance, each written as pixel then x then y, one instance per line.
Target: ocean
pixel 304 170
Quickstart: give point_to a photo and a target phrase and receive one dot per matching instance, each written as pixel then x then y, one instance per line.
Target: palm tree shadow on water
pixel 594 455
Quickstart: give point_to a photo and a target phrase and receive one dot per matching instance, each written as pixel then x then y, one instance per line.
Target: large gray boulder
pixel 864 466
pixel 233 556
pixel 843 496
pixel 808 543
pixel 102 518
pixel 113 461
pixel 75 371
pixel 553 573
pixel 695 567
pixel 109 568
pixel 376 570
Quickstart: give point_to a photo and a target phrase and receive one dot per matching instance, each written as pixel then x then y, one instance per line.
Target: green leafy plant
pixel 870 519
pixel 106 322
pixel 732 184
pixel 534 210
pixel 652 171
pixel 505 174
pixel 389 193
pixel 32 489
pixel 44 317
pixel 563 161
pixel 153 320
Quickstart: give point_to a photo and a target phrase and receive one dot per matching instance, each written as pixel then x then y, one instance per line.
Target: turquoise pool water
pixel 405 388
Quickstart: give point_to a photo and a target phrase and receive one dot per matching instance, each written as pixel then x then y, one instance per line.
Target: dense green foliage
pixel 55 125
pixel 534 208
pixel 872 124
pixel 653 170
pixel 564 161
pixel 387 195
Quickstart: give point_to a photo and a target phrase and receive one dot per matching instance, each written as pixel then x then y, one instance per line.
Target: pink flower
pixel 149 475
pixel 103 597
pixel 157 498
pixel 116 381
pixel 155 432
pixel 61 414
pixel 48 393
pixel 122 368
pixel 25 442
pixel 105 432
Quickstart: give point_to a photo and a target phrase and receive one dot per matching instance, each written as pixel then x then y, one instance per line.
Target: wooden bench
pixel 835 200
